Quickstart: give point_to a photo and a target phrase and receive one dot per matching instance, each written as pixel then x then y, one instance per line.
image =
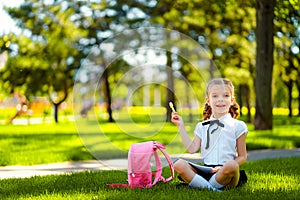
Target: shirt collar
pixel 223 118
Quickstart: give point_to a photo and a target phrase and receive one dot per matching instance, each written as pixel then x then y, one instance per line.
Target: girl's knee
pixel 231 167
pixel 180 165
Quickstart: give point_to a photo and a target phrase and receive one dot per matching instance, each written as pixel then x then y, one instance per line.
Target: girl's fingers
pixel 175 116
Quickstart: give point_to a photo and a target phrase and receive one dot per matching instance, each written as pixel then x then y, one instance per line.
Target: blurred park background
pixel 256 44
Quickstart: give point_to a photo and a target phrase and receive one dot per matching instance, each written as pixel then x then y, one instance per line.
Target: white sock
pixel 200 182
pixel 214 182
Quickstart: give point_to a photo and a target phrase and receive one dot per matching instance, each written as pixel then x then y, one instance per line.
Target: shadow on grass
pixel 270 140
pixel 268 179
pixel 37 144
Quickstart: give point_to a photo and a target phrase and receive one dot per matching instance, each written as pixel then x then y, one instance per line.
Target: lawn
pixel 267 179
pixel 36 144
pixel 88 139
pixel 49 143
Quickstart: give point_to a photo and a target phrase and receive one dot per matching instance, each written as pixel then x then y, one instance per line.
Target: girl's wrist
pixel 181 126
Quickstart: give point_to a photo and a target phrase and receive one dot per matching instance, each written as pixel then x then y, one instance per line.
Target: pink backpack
pixel 140 174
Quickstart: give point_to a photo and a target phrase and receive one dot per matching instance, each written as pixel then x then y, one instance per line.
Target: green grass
pixel 49 143
pixel 267 179
pixel 36 144
pixel 285 135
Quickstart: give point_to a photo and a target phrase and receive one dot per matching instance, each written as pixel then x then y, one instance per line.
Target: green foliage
pixel 57 35
pixel 42 54
pixel 43 57
pixel 287 57
pixel 267 179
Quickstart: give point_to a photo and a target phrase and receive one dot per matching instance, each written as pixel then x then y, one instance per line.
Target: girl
pixel 221 138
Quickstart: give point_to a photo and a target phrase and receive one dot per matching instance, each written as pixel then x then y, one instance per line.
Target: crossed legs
pixel 228 175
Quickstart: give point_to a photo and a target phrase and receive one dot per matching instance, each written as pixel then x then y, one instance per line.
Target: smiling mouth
pixel 220 106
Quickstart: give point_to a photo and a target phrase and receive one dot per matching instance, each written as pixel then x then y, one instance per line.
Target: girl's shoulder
pixel 232 122
pixel 200 125
pixel 240 122
pixel 240 126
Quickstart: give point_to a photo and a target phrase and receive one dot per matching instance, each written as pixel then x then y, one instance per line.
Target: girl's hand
pixel 215 169
pixel 176 119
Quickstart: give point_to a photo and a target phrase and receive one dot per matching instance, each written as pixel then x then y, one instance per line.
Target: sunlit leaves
pixel 4 43
pixel 45 54
pixel 287 41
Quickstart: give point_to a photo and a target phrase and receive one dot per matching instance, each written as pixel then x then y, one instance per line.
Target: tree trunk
pixel 264 64
pixel 56 112
pixel 298 87
pixel 170 88
pixel 107 96
pixel 244 94
pixel 248 103
pixel 240 98
pixel 57 103
pixel 187 88
pixel 290 99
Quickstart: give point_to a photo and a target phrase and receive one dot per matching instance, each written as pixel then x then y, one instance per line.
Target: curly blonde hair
pixel 234 109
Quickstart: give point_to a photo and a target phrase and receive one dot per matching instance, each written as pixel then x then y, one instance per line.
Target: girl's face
pixel 219 98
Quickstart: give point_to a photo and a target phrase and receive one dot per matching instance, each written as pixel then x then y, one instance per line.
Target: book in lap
pixel 202 168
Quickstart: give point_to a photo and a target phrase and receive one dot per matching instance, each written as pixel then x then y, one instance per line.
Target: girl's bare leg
pixel 229 174
pixel 184 170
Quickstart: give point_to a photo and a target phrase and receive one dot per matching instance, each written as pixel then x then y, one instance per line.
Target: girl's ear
pixel 207 100
pixel 232 100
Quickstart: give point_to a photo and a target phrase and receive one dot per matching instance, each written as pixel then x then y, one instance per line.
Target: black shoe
pixel 243 178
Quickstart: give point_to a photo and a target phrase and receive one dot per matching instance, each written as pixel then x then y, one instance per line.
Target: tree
pixel 44 57
pixel 103 21
pixel 170 86
pixel 64 33
pixel 228 37
pixel 264 64
pixel 287 45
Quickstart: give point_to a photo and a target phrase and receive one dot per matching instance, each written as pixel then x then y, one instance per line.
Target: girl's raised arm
pixel 191 146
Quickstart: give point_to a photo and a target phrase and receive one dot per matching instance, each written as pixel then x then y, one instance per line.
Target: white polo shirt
pixel 221 145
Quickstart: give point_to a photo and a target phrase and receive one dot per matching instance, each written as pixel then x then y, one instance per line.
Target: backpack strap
pixel 158 175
